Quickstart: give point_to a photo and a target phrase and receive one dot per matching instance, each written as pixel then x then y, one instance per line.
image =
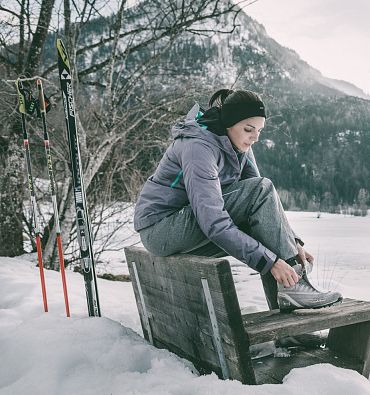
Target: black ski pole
pixel 27 156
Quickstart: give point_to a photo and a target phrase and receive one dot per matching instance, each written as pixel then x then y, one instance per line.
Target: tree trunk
pixel 37 45
pixel 11 156
pixel 11 195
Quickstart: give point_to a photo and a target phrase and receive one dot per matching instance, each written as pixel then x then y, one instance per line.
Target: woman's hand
pixel 284 273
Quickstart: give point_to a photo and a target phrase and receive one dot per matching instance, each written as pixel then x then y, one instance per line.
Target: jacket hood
pixel 190 128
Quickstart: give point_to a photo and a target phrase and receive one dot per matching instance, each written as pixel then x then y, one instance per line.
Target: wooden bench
pixel 188 305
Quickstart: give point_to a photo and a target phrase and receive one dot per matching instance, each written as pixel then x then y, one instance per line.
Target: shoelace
pixel 306 287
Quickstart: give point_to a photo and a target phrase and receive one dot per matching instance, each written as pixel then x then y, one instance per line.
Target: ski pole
pixel 53 193
pixel 27 155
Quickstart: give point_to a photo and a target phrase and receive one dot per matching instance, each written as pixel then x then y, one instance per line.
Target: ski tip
pixel 63 55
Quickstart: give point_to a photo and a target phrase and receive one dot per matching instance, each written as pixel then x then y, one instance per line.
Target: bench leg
pixel 352 340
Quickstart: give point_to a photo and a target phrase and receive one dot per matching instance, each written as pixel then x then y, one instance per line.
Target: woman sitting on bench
pixel 207 198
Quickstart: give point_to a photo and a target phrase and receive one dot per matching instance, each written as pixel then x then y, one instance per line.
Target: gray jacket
pixel 192 171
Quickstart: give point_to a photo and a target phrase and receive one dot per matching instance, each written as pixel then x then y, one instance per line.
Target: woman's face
pixel 246 132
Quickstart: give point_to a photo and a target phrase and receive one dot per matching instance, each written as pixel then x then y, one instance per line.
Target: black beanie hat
pixel 232 113
pixel 228 107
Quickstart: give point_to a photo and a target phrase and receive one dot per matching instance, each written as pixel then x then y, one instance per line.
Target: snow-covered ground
pixel 46 353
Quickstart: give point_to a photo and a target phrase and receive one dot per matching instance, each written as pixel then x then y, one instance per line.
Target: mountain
pixel 260 61
pixel 346 87
pixel 316 143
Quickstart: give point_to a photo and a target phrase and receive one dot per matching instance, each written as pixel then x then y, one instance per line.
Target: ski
pixel 42 110
pixel 83 228
pixel 24 106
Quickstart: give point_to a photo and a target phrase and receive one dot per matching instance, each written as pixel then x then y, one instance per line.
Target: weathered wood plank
pixel 194 344
pixel 200 333
pixel 187 274
pixel 186 295
pixel 272 325
pixel 183 299
pixel 176 266
pixel 173 292
pixel 188 341
pixel 202 366
pixel 352 340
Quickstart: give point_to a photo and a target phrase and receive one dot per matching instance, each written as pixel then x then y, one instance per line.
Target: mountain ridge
pixel 316 142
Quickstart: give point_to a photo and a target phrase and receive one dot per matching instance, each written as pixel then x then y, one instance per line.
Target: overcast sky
pixel 331 35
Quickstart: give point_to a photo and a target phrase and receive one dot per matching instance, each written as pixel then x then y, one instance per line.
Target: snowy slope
pixel 46 353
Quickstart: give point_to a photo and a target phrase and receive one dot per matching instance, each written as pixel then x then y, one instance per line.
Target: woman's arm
pixel 200 173
pixel 250 169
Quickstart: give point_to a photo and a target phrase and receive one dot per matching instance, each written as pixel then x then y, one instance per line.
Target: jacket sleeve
pixel 200 175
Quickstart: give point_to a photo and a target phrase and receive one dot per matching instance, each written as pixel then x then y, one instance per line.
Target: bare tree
pixel 126 107
pixel 17 59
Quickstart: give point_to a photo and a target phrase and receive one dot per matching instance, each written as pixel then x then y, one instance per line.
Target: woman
pixel 207 198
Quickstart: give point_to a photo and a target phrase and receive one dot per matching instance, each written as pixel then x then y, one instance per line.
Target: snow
pixel 47 353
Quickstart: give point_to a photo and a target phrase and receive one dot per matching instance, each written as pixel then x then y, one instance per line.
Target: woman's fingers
pixel 292 278
pixel 284 274
pixel 309 257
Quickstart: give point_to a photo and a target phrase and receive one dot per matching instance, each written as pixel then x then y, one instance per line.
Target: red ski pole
pixel 27 155
pixel 53 193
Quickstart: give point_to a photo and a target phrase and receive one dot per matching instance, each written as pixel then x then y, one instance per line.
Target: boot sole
pixel 290 309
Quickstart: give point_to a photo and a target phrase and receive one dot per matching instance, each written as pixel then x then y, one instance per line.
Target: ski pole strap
pixel 27 103
pixel 41 96
pixel 21 97
pixel 43 102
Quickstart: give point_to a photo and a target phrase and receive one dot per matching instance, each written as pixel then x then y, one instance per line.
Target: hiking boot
pixel 304 295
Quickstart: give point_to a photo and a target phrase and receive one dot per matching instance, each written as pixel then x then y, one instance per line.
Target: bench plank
pixel 272 325
pixel 352 340
pixel 178 313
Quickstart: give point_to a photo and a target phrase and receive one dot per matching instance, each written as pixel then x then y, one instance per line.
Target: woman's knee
pixel 267 183
pixel 254 182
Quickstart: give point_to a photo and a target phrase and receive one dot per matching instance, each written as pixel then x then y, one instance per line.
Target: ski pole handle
pixel 41 96
pixel 21 98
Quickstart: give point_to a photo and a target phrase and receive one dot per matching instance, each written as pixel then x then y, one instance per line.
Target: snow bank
pixel 46 353
pixel 54 355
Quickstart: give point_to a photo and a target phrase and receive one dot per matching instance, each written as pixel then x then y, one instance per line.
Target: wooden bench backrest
pixel 178 314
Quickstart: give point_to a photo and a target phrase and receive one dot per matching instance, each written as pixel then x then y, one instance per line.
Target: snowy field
pixel 46 353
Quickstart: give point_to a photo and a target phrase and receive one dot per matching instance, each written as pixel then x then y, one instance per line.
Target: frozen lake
pixel 341 247
pixel 335 239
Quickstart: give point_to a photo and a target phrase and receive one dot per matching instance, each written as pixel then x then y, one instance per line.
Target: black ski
pixel 82 218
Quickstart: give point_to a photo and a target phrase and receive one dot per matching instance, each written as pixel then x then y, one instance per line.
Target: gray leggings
pixel 267 223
